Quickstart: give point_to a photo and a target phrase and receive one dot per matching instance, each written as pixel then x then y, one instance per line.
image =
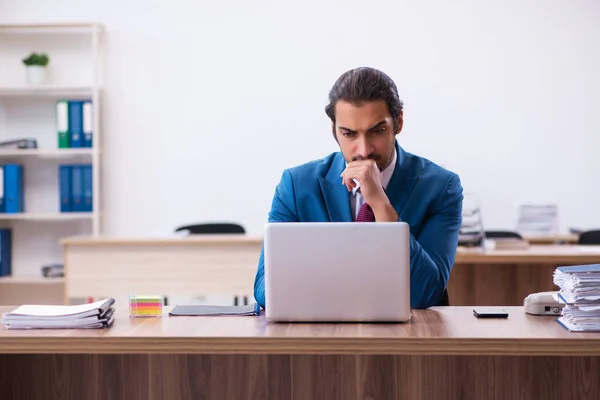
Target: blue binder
pixel 64 188
pixel 578 269
pixel 77 188
pixel 76 122
pixel 2 203
pixel 5 252
pixel 87 187
pixel 87 123
pixel 13 188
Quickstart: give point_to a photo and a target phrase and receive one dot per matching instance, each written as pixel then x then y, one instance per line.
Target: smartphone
pixel 485 312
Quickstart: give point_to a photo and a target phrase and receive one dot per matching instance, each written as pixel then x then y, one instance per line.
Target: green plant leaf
pixel 40 59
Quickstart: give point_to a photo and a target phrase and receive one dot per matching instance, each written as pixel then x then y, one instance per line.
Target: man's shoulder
pixel 314 168
pixel 429 170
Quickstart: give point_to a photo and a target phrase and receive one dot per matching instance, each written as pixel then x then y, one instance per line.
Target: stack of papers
pixel 580 292
pixel 85 316
pixel 471 228
pixel 540 220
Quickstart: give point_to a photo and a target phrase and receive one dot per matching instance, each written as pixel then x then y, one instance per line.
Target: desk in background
pixel 506 277
pixel 219 265
pixel 550 239
pixel 441 353
pixel 197 265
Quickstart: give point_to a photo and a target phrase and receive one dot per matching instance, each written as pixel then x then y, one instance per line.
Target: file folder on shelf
pixel 76 190
pixel 62 123
pixel 76 122
pixel 13 188
pixel 5 252
pixel 88 124
pixel 64 188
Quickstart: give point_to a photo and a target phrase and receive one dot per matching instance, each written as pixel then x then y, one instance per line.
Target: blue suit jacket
pixel 425 195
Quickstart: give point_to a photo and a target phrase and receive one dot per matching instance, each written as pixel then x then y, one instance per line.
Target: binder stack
pixel 85 316
pixel 74 123
pixel 580 292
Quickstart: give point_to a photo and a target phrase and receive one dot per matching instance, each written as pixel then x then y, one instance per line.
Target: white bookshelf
pixel 27 111
pixel 49 91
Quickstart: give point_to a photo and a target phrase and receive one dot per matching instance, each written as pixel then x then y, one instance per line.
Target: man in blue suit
pixel 373 179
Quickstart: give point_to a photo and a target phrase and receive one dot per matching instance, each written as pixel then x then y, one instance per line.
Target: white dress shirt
pixel 356 198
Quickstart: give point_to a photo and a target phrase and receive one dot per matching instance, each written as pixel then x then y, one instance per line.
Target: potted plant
pixel 37 68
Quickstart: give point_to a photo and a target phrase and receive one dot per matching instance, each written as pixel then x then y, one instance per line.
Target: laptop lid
pixel 337 271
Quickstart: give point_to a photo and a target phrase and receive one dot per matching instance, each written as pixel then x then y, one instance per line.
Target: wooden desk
pixel 548 239
pixel 442 353
pixel 506 277
pixel 206 265
pixel 196 265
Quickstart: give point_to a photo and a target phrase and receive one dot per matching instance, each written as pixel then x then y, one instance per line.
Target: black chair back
pixel 502 235
pixel 213 229
pixel 589 237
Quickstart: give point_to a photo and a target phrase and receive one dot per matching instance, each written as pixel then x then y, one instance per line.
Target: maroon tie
pixel 365 214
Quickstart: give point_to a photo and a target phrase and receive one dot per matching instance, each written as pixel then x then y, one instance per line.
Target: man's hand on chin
pixel 367 173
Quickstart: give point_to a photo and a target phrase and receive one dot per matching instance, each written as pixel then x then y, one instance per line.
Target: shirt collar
pixel 386 174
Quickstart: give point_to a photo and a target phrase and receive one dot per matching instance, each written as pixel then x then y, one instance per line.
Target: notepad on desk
pixel 95 315
pixel 206 310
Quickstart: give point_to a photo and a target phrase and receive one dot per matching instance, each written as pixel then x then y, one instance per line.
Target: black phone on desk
pixel 489 312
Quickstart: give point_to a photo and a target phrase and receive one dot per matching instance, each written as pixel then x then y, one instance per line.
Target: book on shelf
pixel 580 293
pixel 96 315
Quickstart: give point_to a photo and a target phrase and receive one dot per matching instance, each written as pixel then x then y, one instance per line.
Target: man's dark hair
pixel 364 84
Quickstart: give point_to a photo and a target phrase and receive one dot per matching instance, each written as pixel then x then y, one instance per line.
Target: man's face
pixel 366 131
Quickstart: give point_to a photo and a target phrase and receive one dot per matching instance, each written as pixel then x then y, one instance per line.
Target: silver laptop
pixel 337 272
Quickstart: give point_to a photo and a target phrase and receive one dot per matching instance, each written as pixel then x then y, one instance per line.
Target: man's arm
pixel 432 253
pixel 283 209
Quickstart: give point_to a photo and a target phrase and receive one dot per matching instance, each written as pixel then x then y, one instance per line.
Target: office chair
pixel 221 228
pixel 589 237
pixel 502 235
pixel 213 229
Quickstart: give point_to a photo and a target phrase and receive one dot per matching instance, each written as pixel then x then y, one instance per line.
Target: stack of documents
pixel 580 292
pixel 85 316
pixel 540 220
pixel 471 228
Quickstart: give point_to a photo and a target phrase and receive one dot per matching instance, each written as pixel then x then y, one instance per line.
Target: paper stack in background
pixel 538 219
pixel 580 292
pixel 95 315
pixel 471 232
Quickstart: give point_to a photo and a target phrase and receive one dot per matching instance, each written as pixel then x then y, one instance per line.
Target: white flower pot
pixel 37 75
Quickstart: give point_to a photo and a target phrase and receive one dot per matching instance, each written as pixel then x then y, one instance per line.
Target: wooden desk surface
pixel 540 254
pixel 91 240
pixel 550 239
pixel 436 331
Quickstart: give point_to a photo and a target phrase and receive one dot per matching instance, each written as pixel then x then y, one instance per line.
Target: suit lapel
pixel 402 181
pixel 336 195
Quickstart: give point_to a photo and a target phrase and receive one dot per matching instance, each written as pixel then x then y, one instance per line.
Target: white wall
pixel 207 102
